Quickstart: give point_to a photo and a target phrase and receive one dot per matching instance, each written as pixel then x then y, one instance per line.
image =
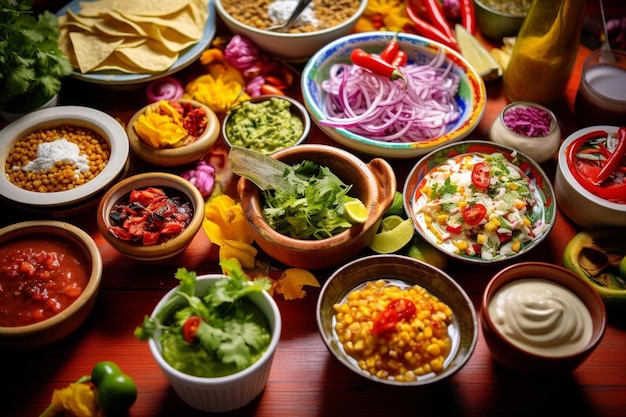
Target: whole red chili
pixel 468 15
pixel 400 59
pixel 424 28
pixel 391 50
pixel 437 17
pixel 376 65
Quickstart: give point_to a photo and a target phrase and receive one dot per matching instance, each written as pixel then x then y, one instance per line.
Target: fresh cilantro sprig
pixel 31 62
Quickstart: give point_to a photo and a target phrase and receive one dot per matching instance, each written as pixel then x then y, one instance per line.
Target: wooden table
pixel 305 379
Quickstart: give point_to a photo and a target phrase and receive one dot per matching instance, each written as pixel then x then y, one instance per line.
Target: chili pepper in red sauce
pixel 614 160
pixel 437 18
pixel 376 65
pixel 190 327
pixel 612 192
pixel 468 15
pixel 427 30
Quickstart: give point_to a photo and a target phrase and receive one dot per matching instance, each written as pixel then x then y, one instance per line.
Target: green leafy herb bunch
pixel 31 62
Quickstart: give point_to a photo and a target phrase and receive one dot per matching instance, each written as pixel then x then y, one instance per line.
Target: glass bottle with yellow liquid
pixel 545 51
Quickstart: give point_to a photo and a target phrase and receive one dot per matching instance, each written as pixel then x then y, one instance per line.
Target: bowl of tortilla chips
pixel 117 43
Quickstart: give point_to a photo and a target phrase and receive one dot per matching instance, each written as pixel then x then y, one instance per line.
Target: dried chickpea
pixel 415 346
pixel 63 175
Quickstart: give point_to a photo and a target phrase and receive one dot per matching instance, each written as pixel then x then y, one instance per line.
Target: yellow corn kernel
pixel 481 238
pixel 427 191
pixel 526 222
pixel 461 204
pixel 460 190
pixel 513 186
pixel 442 218
pixel 437 364
pixel 433 349
pixel 519 204
pixel 515 246
pixel 428 332
pixel 461 244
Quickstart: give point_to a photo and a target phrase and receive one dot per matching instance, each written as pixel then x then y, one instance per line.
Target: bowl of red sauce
pixel 590 182
pixel 50 275
pixel 151 217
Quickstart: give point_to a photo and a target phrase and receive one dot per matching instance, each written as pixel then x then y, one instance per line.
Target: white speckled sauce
pixel 542 317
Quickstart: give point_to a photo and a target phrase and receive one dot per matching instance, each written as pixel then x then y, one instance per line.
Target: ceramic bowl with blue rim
pixel 480 202
pixel 469 100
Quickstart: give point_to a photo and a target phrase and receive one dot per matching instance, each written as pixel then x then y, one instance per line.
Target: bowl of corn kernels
pixel 60 160
pixel 396 320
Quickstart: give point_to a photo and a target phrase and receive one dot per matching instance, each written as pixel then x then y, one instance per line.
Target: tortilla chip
pixel 150 7
pixel 150 55
pixel 91 50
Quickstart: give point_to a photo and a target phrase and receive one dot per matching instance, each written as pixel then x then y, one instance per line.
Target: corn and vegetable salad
pixel 394 332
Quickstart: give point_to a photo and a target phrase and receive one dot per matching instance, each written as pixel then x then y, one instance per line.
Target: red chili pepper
pixel 190 328
pixel 614 160
pixel 376 65
pixel 612 192
pixel 400 59
pixel 386 320
pixel 437 18
pixel 270 89
pixel 468 15
pixel 404 307
pixel 423 28
pixel 391 50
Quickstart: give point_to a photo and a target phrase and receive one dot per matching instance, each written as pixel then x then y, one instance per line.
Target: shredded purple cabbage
pixel 529 121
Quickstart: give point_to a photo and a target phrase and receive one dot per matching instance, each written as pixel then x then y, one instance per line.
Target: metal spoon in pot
pixel 607 56
pixel 284 27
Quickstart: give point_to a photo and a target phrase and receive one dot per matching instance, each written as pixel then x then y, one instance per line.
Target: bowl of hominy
pixel 58 159
pixel 396 320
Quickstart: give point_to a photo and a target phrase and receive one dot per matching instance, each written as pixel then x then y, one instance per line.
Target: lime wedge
pixel 392 240
pixel 355 211
pixel 390 222
pixel 477 55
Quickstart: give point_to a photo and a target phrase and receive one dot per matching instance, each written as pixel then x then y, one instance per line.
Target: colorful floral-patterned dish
pixel 471 97
pixel 540 207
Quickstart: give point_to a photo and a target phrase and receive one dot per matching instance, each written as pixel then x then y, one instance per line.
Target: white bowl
pixel 229 392
pixel 96 120
pixel 580 205
pixel 289 46
pixel 471 97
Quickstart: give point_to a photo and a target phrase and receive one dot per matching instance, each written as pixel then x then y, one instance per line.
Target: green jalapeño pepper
pixel 116 392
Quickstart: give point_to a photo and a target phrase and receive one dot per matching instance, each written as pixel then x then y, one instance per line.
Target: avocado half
pixel 595 256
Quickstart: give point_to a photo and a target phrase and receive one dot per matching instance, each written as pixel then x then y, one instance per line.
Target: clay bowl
pixel 174 156
pixel 374 183
pixel 64 237
pixel 542 350
pixel 173 185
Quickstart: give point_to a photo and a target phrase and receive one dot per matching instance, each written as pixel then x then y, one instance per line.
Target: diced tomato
pixel 480 175
pixel 473 214
pixel 386 320
pixel 504 237
pixel 150 238
pixel 404 307
pixel 454 228
pixel 171 228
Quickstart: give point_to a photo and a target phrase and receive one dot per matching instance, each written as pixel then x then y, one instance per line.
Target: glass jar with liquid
pixel 545 51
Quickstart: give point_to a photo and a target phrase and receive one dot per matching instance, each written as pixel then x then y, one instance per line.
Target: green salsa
pixel 265 127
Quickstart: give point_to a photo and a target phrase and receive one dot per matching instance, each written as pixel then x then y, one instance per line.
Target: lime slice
pixel 355 211
pixel 397 206
pixel 392 240
pixel 390 222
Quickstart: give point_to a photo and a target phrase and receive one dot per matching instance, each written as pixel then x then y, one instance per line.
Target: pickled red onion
pixel 167 88
pixel 381 109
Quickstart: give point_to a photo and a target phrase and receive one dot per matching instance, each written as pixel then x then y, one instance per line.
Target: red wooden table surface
pixel 305 379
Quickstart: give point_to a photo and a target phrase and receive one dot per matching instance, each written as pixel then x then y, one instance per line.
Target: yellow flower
pixel 220 89
pixel 78 399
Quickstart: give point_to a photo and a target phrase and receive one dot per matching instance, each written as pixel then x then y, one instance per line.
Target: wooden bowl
pixel 161 251
pixel 77 243
pixel 172 157
pixel 373 183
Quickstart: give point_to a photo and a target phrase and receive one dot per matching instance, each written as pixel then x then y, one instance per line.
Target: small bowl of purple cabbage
pixel 529 128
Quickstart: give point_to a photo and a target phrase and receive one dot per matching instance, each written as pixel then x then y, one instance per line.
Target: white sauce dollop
pixel 542 317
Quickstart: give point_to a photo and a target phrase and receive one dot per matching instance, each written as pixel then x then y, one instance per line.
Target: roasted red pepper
pixel 376 65
pixel 468 15
pixel 424 28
